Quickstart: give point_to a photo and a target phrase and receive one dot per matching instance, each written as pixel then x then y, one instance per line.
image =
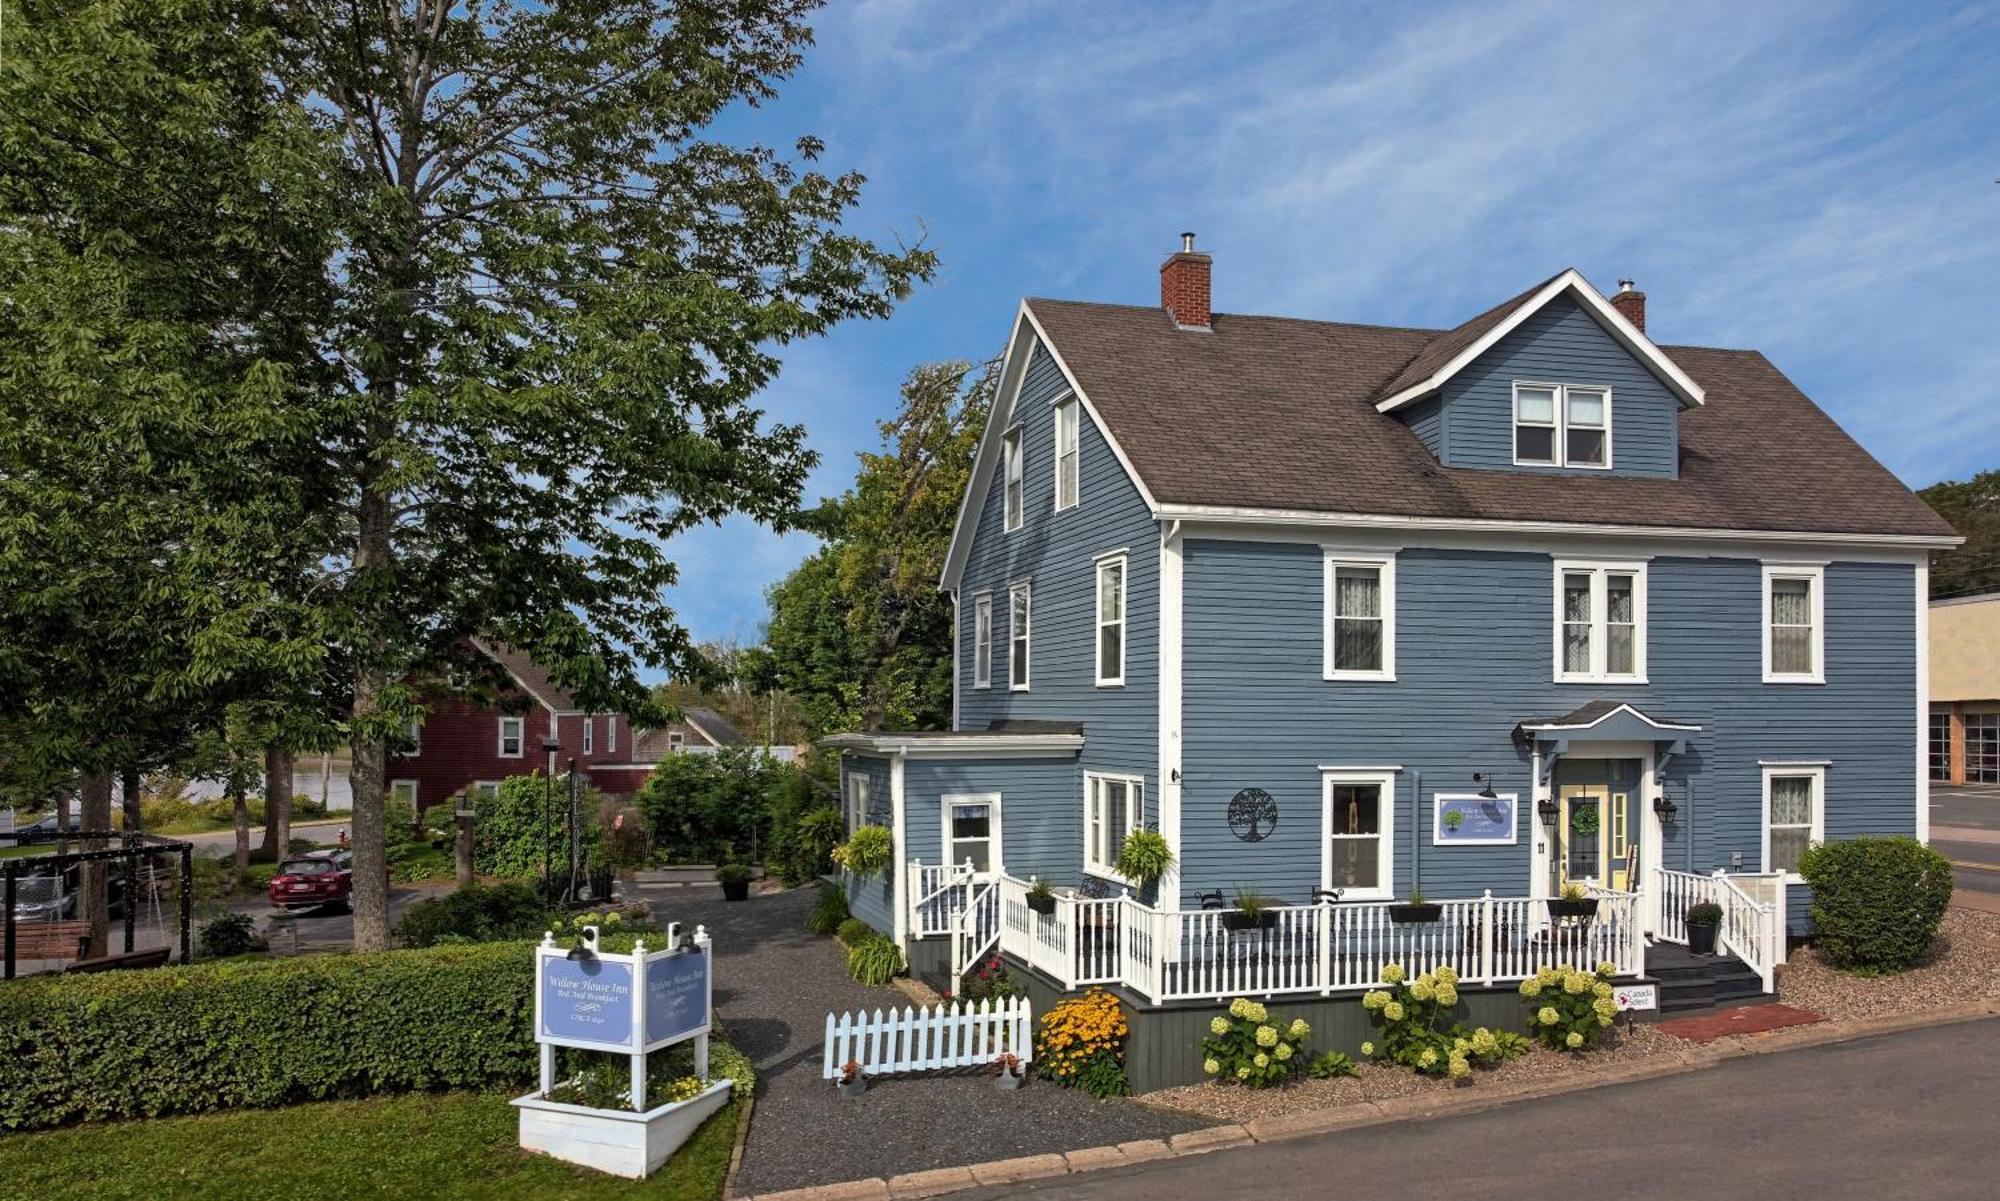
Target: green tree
pixel 557 298
pixel 1973 509
pixel 859 633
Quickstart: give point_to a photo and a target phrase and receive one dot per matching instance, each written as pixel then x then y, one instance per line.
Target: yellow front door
pixel 1583 835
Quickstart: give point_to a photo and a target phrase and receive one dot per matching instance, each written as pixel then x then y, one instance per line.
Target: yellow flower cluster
pixel 1078 1029
pixel 1266 1036
pixel 1248 1010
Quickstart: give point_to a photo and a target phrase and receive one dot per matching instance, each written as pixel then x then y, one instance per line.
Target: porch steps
pixel 1690 982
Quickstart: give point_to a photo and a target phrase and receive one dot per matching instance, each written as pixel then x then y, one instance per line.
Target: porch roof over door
pixel 1619 721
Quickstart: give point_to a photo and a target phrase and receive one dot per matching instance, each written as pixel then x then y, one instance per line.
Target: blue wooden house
pixel 1350 611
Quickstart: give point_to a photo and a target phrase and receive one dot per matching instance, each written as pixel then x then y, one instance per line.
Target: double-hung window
pixel 1111 809
pixel 1111 621
pixel 1600 622
pixel 1017 638
pixel 1357 856
pixel 1794 814
pixel 589 734
pixel 511 737
pixel 1015 480
pixel 857 802
pixel 1794 624
pixel 982 640
pixel 972 831
pixel 1562 425
pixel 1068 479
pixel 1360 633
pixel 404 794
pixel 413 735
pixel 611 733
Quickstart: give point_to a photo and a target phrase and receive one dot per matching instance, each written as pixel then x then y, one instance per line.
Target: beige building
pixel 1965 690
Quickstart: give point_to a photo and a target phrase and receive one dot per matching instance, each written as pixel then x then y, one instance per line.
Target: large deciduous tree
pixel 859 633
pixel 556 298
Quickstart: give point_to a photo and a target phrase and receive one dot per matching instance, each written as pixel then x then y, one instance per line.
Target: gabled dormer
pixel 1555 380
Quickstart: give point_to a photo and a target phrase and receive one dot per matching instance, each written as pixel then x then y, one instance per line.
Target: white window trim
pixel 483 787
pixel 1066 403
pixel 1013 457
pixel 521 737
pixel 415 790
pixel 589 734
pixel 414 731
pixel 1124 612
pixel 1815 573
pixel 611 734
pixel 1385 851
pixel 1336 558
pixel 982 644
pixel 857 800
pixel 1817 773
pixel 1560 445
pixel 1135 812
pixel 1600 640
pixel 1021 683
pixel 991 800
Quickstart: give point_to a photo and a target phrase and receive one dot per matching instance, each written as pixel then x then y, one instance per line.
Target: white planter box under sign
pixel 632 1145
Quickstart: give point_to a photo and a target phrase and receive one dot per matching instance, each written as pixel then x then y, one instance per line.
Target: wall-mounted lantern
pixel 1665 808
pixel 1548 809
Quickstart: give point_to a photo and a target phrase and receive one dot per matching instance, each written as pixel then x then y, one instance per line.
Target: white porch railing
pixel 1753 915
pixel 975 928
pixel 937 891
pixel 1193 954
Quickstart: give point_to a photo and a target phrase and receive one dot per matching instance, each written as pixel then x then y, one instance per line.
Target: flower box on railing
pixel 1412 912
pixel 1236 920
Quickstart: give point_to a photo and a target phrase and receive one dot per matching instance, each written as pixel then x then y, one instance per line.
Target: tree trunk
pixel 371 856
pixel 62 818
pixel 129 786
pixel 277 802
pixel 241 805
pixel 95 901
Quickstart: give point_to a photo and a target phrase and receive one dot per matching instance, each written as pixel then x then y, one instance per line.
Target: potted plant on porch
pixel 1572 901
pixel 1416 909
pixel 1041 898
pixel 1704 918
pixel 1253 912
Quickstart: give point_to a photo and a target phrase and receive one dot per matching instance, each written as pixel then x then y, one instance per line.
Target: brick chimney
pixel 1631 304
pixel 1184 286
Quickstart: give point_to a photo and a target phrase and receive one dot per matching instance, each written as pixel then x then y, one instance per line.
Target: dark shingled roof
pixel 713 724
pixel 1278 413
pixel 532 677
pixel 1446 345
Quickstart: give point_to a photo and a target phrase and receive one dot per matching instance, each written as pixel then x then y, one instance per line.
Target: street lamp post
pixel 551 745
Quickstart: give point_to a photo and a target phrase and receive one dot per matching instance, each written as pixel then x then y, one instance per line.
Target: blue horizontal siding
pixel 1473 658
pixel 873 901
pixel 1041 811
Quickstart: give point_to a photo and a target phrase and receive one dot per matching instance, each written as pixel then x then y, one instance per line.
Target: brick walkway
pixel 1747 1019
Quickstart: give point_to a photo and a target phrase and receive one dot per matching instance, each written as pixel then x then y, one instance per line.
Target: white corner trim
pixel 1170 709
pixel 1594 303
pixel 901 899
pixel 1923 589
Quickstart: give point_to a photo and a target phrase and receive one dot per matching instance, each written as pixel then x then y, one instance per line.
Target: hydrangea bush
pixel 1419 1029
pixel 1251 1047
pixel 1568 1007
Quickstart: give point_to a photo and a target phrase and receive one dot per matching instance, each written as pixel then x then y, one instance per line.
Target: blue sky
pixel 1815 180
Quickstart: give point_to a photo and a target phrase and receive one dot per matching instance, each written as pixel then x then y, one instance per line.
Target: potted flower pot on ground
pixel 1703 920
pixel 1572 902
pixel 853 1081
pixel 735 881
pixel 1416 909
pixel 1041 898
pixel 1007 1070
pixel 1252 912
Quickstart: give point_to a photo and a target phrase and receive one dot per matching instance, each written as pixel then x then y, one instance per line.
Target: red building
pixel 462 748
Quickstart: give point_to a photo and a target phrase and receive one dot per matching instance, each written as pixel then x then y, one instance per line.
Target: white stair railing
pixel 937 892
pixel 1749 930
pixel 975 928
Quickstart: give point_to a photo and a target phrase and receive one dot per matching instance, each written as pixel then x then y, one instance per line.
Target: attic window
pixel 1561 425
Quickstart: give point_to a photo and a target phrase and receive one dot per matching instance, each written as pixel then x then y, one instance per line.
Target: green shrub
pixel 853 932
pixel 1418 1026
pixel 253 1033
pixel 1876 902
pixel 1567 1007
pixel 732 873
pixel 1253 1048
pixel 828 912
pixel 1704 913
pixel 805 849
pixel 714 808
pixel 230 934
pixel 477 913
pixel 874 961
pixel 508 840
pixel 1331 1065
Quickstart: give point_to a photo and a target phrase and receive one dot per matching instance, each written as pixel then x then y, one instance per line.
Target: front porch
pixel 1167 955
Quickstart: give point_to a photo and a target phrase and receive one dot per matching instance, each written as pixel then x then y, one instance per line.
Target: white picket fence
pixel 928 1039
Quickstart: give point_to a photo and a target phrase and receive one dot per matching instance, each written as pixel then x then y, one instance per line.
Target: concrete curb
pixel 1415 1107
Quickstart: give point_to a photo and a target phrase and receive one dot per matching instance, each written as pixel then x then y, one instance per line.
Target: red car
pixel 314 879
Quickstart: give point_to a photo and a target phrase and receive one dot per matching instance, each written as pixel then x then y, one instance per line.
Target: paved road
pixel 1965 828
pixel 223 842
pixel 1902 1116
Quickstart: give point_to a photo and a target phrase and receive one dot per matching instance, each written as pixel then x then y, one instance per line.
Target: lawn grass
pixel 460 1145
pixel 433 1145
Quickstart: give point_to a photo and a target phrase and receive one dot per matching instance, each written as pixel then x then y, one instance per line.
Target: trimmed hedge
pixel 1876 902
pixel 258 1033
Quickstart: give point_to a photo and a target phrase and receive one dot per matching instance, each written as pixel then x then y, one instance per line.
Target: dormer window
pixel 1561 425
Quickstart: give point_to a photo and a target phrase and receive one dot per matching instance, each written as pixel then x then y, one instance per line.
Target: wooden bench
pixel 50 940
pixel 156 957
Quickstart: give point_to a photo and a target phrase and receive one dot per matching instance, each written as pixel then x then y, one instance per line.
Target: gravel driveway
pixel 774 987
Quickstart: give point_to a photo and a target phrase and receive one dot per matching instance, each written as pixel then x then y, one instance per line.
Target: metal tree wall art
pixel 1253 814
